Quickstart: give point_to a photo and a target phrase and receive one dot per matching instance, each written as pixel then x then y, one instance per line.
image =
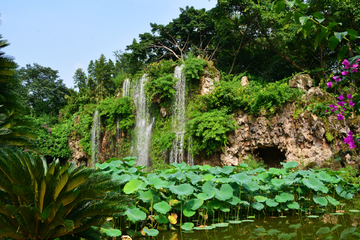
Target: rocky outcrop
pixel 78 155
pixel 210 77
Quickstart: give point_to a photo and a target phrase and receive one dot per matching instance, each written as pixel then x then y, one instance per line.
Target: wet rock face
pixel 279 138
pixel 78 155
pixel 303 82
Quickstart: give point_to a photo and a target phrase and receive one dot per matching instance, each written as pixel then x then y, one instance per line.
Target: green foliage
pixel 45 202
pixel 194 67
pixel 160 86
pixel 252 98
pixel 350 174
pixel 15 130
pixel 205 194
pixel 209 130
pixel 52 140
pixel 253 164
pixel 122 107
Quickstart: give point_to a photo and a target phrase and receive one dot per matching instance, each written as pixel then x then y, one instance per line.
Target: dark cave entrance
pixel 271 156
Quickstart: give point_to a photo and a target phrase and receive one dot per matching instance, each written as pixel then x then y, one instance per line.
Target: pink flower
pixel 351 103
pixel 344 73
pixel 331 106
pixel 326 111
pixel 336 78
pixel 349 96
pixel 346 63
pixel 340 117
pixel 26 150
pixel 329 84
pixel 341 97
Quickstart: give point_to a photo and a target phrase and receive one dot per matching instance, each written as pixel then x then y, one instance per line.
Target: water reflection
pixel 328 226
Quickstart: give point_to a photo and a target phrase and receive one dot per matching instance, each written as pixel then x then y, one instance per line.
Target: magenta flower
pixel 26 150
pixel 331 106
pixel 349 96
pixel 351 103
pixel 326 111
pixel 341 103
pixel 329 84
pixel 340 117
pixel 344 73
pixel 341 97
pixel 332 110
pixel 346 63
pixel 336 78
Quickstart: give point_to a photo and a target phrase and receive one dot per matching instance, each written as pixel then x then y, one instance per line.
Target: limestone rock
pixel 244 81
pixel 163 112
pixel 303 81
pixel 208 80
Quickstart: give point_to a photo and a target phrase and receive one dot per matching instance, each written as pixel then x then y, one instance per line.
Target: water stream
pixel 95 139
pixel 143 123
pixel 178 120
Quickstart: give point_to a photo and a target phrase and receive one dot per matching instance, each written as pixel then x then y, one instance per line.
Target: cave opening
pixel 271 156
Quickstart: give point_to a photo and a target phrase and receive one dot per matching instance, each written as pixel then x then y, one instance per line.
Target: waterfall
pixel 95 139
pixel 126 88
pixel 178 110
pixel 190 157
pixel 143 123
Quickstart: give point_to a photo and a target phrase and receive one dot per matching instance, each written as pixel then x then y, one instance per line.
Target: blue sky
pixel 67 34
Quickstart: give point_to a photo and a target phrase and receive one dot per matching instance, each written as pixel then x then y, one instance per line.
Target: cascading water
pixel 178 110
pixel 190 157
pixel 126 88
pixel 143 123
pixel 95 139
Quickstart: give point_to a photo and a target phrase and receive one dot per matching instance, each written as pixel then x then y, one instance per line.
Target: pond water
pixel 327 226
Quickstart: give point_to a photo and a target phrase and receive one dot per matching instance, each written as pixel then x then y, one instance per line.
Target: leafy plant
pixel 45 202
pixel 209 130
pixel 194 67
pixel 161 89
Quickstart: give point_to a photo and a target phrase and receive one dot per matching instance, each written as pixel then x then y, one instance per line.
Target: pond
pixel 327 226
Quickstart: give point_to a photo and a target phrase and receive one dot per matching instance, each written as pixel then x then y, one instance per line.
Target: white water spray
pixel 95 139
pixel 178 110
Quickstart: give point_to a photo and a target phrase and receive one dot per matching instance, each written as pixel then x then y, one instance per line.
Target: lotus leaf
pixel 102 166
pixel 224 207
pixel 161 219
pixel 205 167
pixel 151 232
pixel 335 227
pixel 122 178
pixel 187 226
pixel 204 196
pixel 354 210
pixel 208 177
pixel 234 201
pixel 209 189
pixel 162 207
pixel 243 165
pixel 228 169
pixel 271 203
pixel 264 177
pixel 241 178
pixel 258 206
pixel 235 222
pixel 215 170
pixel 260 198
pixel 284 197
pixel 183 189
pixel 323 230
pixel 313 216
pixel 220 224
pixel 315 184
pixel 293 205
pixel 277 183
pixel 130 163
pixel 135 214
pixel 327 178
pixel 188 212
pixel 252 186
pixel 214 204
pixel 273 232
pixel 173 218
pixel 194 178
pixel 158 183
pixel 112 232
pixel 320 200
pixel 179 175
pixel 148 196
pixel 277 171
pixel 226 192
pixel 133 186
pixel 290 164
pixel 286 236
pixel 295 226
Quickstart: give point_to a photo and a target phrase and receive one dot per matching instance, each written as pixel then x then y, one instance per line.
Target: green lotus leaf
pixel 208 177
pixel 204 196
pixel 135 214
pixel 244 203
pixel 205 167
pixel 315 184
pixel 320 200
pixel 271 203
pixel 284 197
pixel 243 165
pixel 161 219
pixel 264 177
pixel 188 212
pixel 209 189
pixel 194 204
pixel 293 205
pixel 112 232
pixel 286 236
pixel 277 171
pixel 224 207
pixel 260 198
pixel 158 183
pixel 183 189
pixel 194 178
pixel 277 183
pixel 148 196
pixel 121 178
pixel 180 175
pixel 235 222
pixel 102 166
pixel 133 186
pixel 252 186
pixel 220 224
pixel 162 207
pixel 323 230
pixel 225 192
pixel 214 204
pixel 273 232
pixel 258 206
pixel 228 169
pixel 290 164
pixel 234 201
pixel 327 178
pixel 295 226
pixel 313 216
pixel 241 178
pixel 187 226
pixel 215 170
pixel 354 210
pixel 335 227
pixel 151 232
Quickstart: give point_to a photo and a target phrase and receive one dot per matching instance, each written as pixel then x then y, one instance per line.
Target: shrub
pixel 209 130
pixel 45 202
pixel 194 67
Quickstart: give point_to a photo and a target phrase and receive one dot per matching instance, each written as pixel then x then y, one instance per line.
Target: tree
pixel 80 80
pixel 45 90
pixel 14 127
